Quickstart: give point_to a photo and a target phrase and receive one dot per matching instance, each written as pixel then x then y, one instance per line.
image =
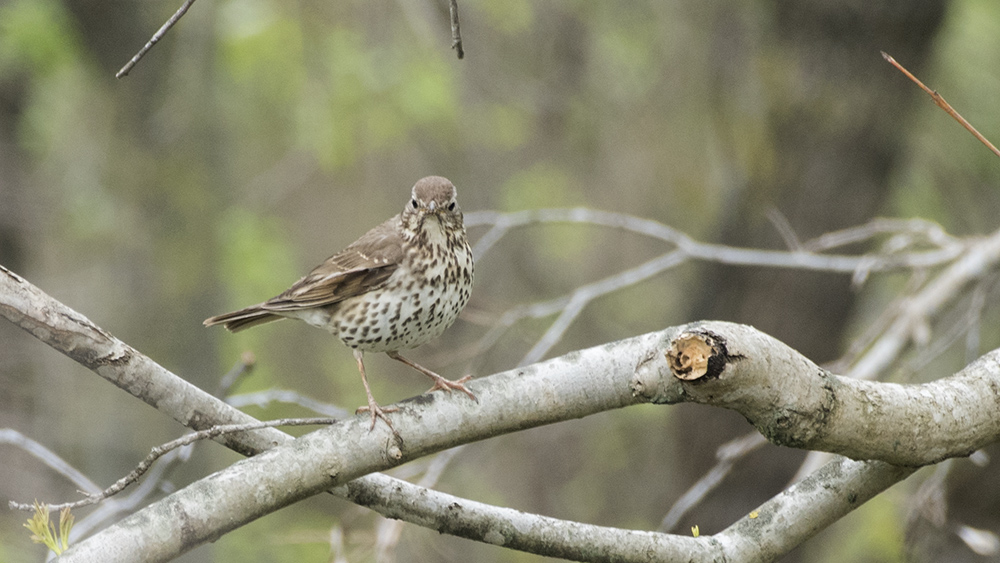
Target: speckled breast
pixel 419 301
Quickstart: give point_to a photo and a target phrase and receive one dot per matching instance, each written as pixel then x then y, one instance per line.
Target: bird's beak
pixel 432 206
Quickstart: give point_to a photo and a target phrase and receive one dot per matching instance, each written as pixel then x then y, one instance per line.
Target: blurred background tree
pixel 260 136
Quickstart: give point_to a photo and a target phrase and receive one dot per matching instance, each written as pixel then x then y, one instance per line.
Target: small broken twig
pixel 156 38
pixel 941 103
pixel 456 33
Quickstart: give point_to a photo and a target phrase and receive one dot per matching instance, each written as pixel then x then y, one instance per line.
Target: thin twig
pixel 916 228
pixel 584 294
pixel 974 317
pixel 875 328
pixel 966 325
pixel 941 103
pixel 161 450
pixel 707 252
pixel 944 248
pixel 111 508
pixel 155 39
pixel 977 262
pixel 727 455
pixel 238 371
pixel 456 33
pixel 784 228
pixel 49 458
pixel 267 396
pixel 930 501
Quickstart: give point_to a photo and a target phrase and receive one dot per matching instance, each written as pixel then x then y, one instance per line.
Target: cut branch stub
pixel 693 355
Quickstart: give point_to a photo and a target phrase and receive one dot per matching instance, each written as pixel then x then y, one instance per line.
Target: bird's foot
pixel 447 385
pixel 378 412
pixel 439 382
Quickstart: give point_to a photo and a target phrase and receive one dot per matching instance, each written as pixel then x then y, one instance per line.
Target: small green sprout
pixel 43 531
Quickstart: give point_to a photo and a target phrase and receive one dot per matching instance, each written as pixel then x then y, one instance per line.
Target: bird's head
pixel 433 196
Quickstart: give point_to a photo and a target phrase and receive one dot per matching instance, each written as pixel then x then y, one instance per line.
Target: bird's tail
pixel 243 319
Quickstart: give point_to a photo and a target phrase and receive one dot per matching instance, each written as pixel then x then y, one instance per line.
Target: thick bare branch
pixel 571 386
pixel 911 315
pixel 787 520
pixel 793 402
pixel 809 408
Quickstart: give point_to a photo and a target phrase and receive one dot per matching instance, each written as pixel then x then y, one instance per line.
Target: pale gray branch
pixel 587 382
pixel 49 458
pixel 388 531
pixel 695 250
pixel 980 258
pixel 810 408
pixel 795 403
pixel 790 518
pixel 916 230
pixel 268 396
pixel 910 314
pixel 906 234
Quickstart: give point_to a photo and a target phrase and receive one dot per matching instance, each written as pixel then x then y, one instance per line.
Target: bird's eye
pixel 451 206
pixel 413 202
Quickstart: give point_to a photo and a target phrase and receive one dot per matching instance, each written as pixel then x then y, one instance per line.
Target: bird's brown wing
pixel 361 267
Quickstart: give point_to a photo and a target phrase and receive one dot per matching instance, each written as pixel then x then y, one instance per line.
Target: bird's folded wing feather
pixel 361 267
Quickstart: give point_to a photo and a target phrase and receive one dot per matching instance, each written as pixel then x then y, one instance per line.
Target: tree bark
pixel 789 398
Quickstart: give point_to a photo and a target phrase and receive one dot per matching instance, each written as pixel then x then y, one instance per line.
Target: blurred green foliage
pixel 871 534
pixel 36 36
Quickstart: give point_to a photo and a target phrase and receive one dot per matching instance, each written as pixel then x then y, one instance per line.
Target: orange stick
pixel 941 103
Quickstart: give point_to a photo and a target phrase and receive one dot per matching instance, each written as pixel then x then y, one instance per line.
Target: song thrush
pixel 398 286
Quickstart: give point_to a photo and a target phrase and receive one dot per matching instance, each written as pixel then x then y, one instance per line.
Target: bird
pixel 398 286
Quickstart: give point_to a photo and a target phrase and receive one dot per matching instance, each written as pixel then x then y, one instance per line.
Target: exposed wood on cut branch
pixel 793 402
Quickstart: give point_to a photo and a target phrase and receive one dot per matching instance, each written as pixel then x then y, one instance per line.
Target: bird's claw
pixel 447 385
pixel 378 412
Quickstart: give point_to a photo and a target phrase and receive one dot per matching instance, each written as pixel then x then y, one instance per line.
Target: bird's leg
pixel 373 407
pixel 439 382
